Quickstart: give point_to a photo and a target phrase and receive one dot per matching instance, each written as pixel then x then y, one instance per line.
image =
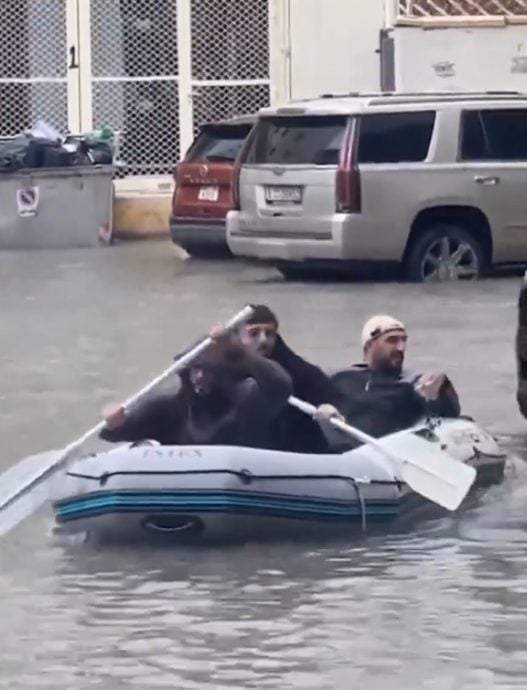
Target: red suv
pixel 203 186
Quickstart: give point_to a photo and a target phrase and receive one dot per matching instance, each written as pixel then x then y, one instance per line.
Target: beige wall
pixel 333 46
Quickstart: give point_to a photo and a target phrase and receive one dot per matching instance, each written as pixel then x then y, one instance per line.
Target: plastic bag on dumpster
pixel 29 152
pixel 100 146
pixel 55 155
pixel 41 130
pixel 44 147
pixel 101 153
pixel 25 151
pixel 15 154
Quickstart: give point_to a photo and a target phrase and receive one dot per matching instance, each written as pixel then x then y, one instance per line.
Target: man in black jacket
pixel 379 396
pixel 384 341
pixel 230 395
pixel 292 430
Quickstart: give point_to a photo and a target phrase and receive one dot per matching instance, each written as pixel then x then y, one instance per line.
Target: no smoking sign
pixel 27 201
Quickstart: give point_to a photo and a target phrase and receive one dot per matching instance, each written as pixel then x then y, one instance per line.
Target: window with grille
pixel 467 8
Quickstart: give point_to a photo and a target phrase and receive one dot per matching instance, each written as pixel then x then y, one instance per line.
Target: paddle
pixel 18 494
pixel 430 472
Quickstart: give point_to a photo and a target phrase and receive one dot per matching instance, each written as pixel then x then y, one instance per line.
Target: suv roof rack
pixel 431 98
pixel 420 94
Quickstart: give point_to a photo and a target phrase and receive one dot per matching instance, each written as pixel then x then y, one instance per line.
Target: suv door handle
pixel 480 179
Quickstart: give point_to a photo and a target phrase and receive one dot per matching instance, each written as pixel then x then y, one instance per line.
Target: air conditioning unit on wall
pixel 453 52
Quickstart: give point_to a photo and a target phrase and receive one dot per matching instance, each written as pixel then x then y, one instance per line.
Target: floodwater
pixel 443 608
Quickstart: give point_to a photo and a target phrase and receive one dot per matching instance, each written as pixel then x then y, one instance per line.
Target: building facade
pixel 154 70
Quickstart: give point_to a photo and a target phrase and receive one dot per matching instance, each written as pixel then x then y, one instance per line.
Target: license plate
pixel 288 195
pixel 208 193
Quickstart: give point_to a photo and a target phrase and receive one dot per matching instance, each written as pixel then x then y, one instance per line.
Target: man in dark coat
pixel 292 430
pixel 230 395
pixel 379 396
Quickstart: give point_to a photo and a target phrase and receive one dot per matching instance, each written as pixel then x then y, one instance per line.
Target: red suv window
pixel 218 143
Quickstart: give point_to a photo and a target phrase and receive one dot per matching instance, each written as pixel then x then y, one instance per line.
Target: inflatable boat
pixel 207 494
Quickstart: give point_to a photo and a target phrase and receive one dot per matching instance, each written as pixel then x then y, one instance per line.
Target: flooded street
pixel 444 608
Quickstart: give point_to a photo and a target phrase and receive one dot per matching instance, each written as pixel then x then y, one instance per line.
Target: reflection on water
pixel 441 608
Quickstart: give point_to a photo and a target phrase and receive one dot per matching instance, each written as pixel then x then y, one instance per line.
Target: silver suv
pixel 433 182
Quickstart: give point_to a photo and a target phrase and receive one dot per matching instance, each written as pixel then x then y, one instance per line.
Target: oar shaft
pixel 189 356
pixel 176 366
pixel 309 409
pixel 27 484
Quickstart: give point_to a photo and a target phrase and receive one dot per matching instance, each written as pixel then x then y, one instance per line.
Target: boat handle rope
pixel 361 501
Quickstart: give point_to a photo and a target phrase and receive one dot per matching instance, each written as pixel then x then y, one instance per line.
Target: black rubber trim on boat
pixel 242 475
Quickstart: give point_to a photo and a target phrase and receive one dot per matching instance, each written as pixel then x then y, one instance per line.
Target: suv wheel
pixel 295 272
pixel 443 253
pixel 199 251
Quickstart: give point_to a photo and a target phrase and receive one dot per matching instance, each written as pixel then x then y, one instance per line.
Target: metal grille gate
pixel 151 69
pixel 230 64
pixel 33 64
pixel 134 79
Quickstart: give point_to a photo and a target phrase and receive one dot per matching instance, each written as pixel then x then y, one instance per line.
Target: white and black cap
pixel 380 325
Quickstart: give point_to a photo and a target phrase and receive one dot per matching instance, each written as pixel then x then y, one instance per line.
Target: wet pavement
pixel 442 609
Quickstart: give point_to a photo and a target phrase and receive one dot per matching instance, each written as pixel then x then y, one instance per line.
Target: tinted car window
pixel 395 137
pixel 311 140
pixel 218 143
pixel 494 135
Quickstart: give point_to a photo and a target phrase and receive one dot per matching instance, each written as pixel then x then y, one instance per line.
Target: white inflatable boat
pixel 203 494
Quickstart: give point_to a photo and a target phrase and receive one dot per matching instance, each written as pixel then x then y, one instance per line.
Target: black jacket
pixel 377 404
pixel 381 405
pixel 238 414
pixel 293 430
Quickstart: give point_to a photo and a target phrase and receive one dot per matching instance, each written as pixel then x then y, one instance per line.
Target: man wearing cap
pixel 292 430
pixel 379 395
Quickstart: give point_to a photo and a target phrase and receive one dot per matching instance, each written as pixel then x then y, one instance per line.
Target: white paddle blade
pixel 439 478
pixel 24 506
pixel 427 469
pixel 15 505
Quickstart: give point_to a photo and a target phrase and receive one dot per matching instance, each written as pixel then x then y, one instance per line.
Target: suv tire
pixel 200 251
pixel 443 253
pixel 295 272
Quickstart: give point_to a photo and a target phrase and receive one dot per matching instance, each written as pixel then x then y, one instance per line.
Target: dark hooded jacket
pixel 380 404
pixel 249 391
pixel 293 430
